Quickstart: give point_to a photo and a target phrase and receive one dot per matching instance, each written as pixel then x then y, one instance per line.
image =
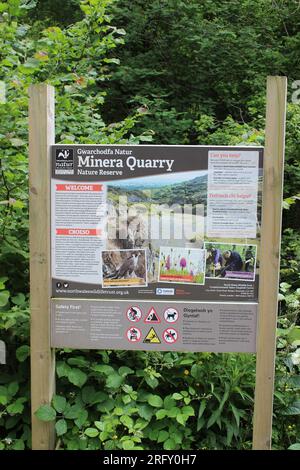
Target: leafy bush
pixel 158 400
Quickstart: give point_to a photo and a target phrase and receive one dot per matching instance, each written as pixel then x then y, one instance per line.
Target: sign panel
pixel 94 324
pixel 155 226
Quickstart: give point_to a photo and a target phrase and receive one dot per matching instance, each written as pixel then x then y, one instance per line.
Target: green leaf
pixel 293 409
pixel 120 31
pixel 145 412
pixel 13 387
pixel 22 353
pixel 155 400
pixel 213 418
pixel 28 4
pixel 161 414
pixel 181 418
pixel 78 361
pixel 127 421
pixel 202 407
pixel 72 412
pixel 294 447
pixel 3 395
pixel 123 371
pixel 294 381
pixel 114 380
pixel 91 432
pixel 99 397
pixel 196 372
pixel 162 436
pixel 104 369
pixel 13 7
pixel 169 444
pixel 15 142
pixel 177 436
pixel 177 396
pixel 16 408
pixel 3 280
pixel 230 431
pixel 3 7
pixel 77 377
pixel 236 414
pixel 18 445
pixel 187 361
pixel 59 403
pixel 169 402
pixel 111 61
pixel 294 334
pixel 62 369
pixel 61 427
pixel 31 63
pixel 4 296
pixel 188 411
pixel 151 381
pixel 88 394
pixel 18 299
pixel 128 444
pixel 106 406
pixel 82 417
pixel 45 413
pixel 173 412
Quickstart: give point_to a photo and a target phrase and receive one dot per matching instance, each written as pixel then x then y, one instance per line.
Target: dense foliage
pixel 190 72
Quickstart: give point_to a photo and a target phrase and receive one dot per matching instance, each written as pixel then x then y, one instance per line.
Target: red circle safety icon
pixel 134 314
pixel 171 315
pixel 133 334
pixel 170 336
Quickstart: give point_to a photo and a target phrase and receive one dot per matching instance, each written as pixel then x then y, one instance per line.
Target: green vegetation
pixel 176 72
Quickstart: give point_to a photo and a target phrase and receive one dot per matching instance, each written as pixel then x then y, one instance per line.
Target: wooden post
pixel 269 261
pixel 41 136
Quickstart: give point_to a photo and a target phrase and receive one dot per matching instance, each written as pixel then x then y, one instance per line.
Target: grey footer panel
pixel 174 326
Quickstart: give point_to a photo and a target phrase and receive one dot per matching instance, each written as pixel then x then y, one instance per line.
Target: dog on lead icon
pixel 171 315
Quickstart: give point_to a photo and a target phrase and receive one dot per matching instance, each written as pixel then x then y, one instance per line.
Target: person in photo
pixel 233 262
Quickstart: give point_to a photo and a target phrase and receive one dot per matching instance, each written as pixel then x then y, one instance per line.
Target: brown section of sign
pixel 186 158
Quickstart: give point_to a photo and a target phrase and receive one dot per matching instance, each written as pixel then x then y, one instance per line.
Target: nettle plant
pixel 158 400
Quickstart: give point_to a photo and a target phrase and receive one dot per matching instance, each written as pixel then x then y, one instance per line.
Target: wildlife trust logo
pixel 64 162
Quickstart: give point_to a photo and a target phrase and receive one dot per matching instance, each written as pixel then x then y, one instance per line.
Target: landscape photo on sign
pixel 152 219
pixel 182 265
pixel 231 261
pixel 152 337
pixel 152 316
pixel 124 268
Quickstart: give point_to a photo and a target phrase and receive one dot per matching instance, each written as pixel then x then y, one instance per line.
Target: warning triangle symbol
pixel 152 316
pixel 152 337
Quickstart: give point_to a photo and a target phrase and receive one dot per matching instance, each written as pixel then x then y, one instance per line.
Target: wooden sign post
pixel 269 261
pixel 41 138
